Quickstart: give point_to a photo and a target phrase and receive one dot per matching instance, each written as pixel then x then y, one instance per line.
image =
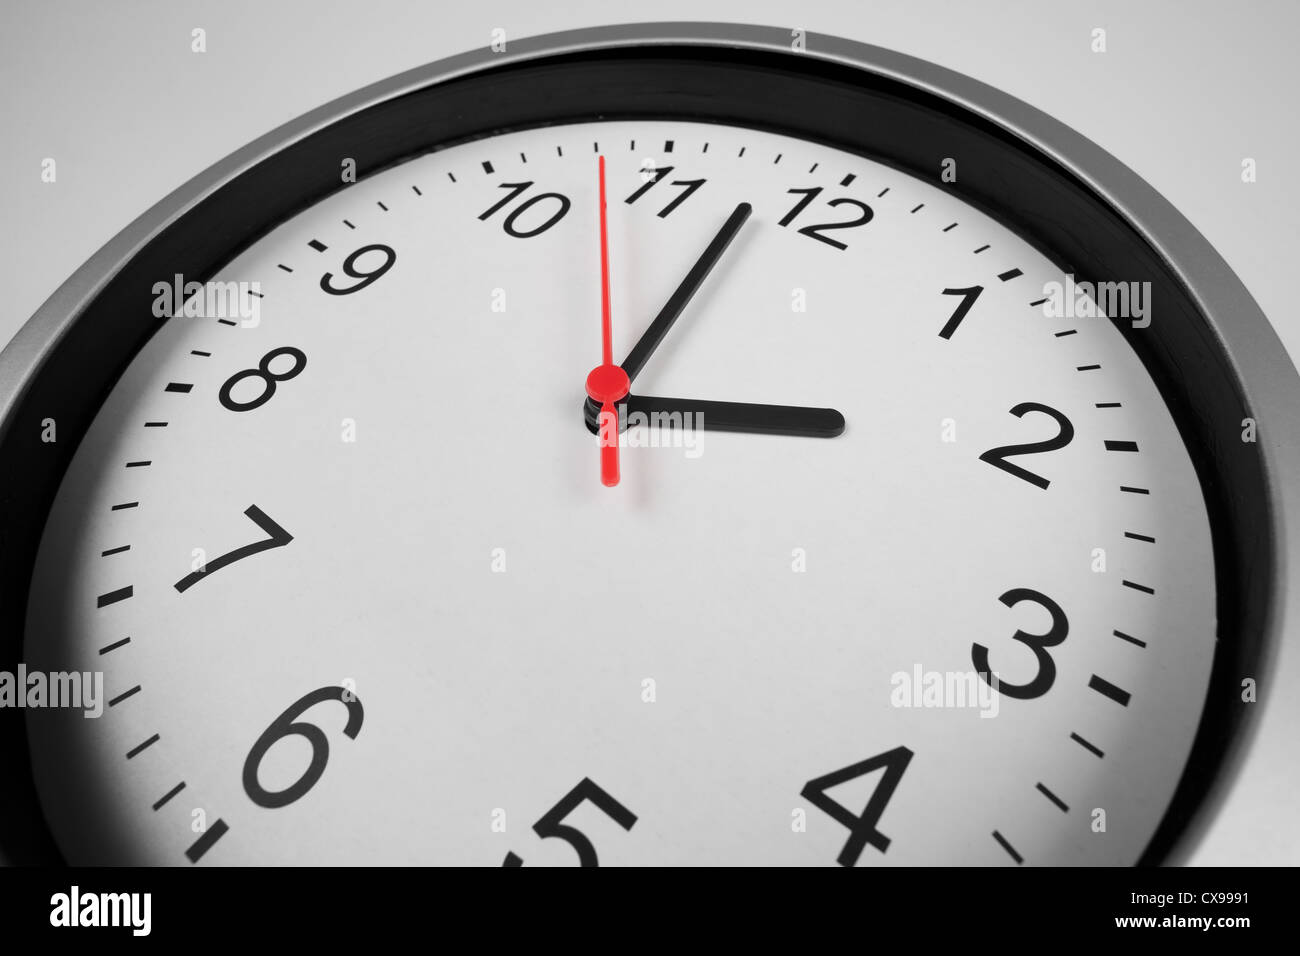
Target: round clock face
pixel 360 596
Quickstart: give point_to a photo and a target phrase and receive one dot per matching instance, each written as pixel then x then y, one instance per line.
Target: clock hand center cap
pixel 607 384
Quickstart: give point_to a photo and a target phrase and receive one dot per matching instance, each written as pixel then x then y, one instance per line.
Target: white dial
pixel 743 615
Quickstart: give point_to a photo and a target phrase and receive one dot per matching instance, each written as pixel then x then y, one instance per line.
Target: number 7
pixel 277 538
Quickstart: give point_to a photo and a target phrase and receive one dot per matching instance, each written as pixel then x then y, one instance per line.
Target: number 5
pixel 550 824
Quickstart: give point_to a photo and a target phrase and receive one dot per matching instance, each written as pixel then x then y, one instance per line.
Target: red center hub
pixel 608 384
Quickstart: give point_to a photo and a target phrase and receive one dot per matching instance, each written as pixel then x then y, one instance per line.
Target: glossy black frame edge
pixel 822 101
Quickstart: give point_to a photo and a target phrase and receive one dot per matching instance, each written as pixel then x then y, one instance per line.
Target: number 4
pixel 861 827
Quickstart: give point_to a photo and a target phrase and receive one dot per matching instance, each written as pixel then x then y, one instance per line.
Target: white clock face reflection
pixel 730 623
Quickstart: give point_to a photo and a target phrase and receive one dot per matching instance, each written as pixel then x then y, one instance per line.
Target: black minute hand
pixel 727 416
pixel 652 336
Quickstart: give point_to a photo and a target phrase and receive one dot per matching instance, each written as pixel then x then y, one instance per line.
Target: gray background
pixel 1185 91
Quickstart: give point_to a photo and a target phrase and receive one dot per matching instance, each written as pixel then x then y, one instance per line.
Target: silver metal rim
pixel 1254 351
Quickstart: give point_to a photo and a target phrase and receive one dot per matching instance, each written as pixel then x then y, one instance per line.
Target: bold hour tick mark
pixel 1009 274
pixel 112 597
pixel 318 245
pixel 181 387
pixel 1116 445
pixel 1107 689
pixel 205 843
pixel 848 180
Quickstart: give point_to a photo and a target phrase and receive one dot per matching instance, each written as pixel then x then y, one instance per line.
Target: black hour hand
pixel 756 419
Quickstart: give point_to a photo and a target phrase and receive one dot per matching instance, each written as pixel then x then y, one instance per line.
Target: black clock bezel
pixel 868 113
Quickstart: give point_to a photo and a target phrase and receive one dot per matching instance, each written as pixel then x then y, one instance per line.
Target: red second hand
pixel 607 383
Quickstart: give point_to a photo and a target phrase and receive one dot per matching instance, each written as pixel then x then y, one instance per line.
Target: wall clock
pixel 900 555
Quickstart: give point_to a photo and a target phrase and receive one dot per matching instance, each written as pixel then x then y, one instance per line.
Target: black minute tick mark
pixel 124 695
pixel 115 645
pixel 918 206
pixel 950 227
pixel 140 748
pixel 1085 745
pixel 1132 640
pixel 1008 847
pixel 382 206
pixel 1053 797
pixel 168 795
pixel 1138 587
pixel 980 249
